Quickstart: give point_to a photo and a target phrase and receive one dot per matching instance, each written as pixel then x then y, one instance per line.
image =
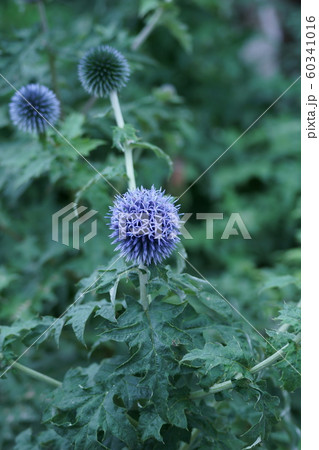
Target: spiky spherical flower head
pixel 145 224
pixel 103 69
pixel 33 107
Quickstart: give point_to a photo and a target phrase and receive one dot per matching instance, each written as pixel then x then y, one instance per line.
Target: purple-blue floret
pixel 34 108
pixel 145 224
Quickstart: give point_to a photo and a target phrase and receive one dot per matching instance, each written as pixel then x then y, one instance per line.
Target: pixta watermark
pixel 141 224
pixel 235 225
pixel 67 222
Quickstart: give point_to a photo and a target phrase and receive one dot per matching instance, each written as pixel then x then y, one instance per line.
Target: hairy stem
pixel 51 55
pixel 127 147
pixel 41 377
pixel 130 167
pixel 132 185
pixel 218 387
pixel 43 139
pixel 117 109
pixel 146 31
pixel 269 361
pixel 35 374
pixel 143 282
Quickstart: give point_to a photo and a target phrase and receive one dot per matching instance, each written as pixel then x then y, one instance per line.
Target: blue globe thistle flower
pixel 31 106
pixel 103 69
pixel 145 225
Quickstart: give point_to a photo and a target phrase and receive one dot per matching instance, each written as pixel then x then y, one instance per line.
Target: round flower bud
pixel 145 224
pixel 33 107
pixel 103 69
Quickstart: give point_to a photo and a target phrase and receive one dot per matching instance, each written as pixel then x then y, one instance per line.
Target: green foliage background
pixel 192 93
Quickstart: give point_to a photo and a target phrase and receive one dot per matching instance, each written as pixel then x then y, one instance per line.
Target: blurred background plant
pixel 206 71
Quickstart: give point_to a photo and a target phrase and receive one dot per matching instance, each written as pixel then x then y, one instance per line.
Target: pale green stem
pixel 146 31
pixel 127 147
pixel 132 185
pixel 43 17
pixel 269 361
pixel 143 282
pixel 36 375
pixel 128 152
pixel 218 387
pixel 117 109
pixel 51 55
pixel 41 377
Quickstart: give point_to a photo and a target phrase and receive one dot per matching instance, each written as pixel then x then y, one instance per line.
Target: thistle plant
pixel 103 71
pixel 174 364
pixel 34 108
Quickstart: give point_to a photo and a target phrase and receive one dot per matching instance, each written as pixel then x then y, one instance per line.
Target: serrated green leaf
pixel 87 413
pixel 24 441
pixel 72 125
pixel 78 315
pixel 229 357
pixel 291 316
pixel 267 406
pixel 24 160
pixel 25 331
pixel 6 277
pixel 178 402
pixel 152 343
pixel 127 134
pixel 148 5
pixel 102 279
pixel 210 304
pixel 278 282
pixel 46 439
pixel 150 424
pixel 123 135
pixel 106 310
pixel 179 30
pixel 158 152
pixel 58 326
pixel 82 145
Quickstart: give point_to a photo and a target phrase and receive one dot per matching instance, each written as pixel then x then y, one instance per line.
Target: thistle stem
pixel 218 387
pixel 143 282
pixel 117 109
pixel 127 147
pixel 43 17
pixel 146 31
pixel 35 374
pixel 129 167
pixel 51 55
pixel 43 139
